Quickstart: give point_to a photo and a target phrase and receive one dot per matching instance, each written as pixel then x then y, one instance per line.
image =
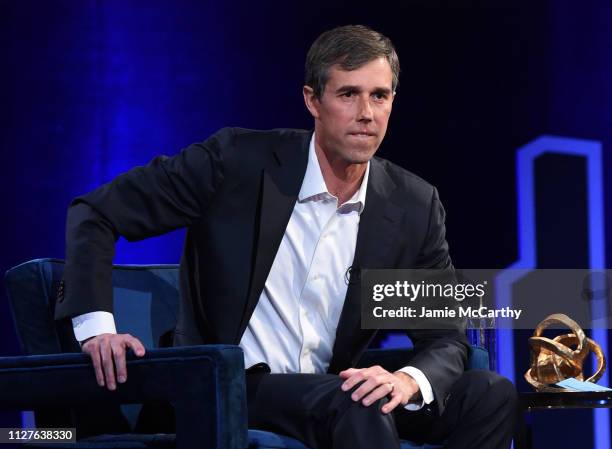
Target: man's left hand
pixel 378 383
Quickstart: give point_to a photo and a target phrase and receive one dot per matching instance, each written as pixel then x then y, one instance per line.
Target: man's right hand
pixel 107 352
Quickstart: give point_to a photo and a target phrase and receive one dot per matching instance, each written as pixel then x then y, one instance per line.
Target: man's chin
pixel 360 158
pixel 362 155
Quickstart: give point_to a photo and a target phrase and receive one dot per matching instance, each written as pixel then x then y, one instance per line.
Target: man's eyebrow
pixel 383 90
pixel 348 87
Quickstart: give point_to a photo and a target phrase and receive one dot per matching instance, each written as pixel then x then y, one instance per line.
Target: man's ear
pixel 311 101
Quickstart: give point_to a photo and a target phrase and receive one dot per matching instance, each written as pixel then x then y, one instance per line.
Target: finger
pixel 377 393
pixel 356 377
pixel 107 364
pixel 136 346
pixel 94 352
pixel 348 373
pixel 396 399
pixel 369 385
pixel 118 349
pixel 365 388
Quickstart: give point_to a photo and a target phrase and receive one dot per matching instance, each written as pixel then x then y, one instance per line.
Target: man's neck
pixel 341 178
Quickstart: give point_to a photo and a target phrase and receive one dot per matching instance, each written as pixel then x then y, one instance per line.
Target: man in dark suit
pixel 278 229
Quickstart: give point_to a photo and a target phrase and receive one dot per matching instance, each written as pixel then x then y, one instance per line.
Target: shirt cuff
pixel 91 324
pixel 424 386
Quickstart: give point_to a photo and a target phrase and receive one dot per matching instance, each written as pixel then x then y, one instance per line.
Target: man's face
pixel 352 114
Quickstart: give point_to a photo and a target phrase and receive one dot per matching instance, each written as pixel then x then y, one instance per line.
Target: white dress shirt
pixel 293 326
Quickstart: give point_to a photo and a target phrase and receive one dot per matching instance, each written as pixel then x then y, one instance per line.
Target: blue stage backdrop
pixel 89 89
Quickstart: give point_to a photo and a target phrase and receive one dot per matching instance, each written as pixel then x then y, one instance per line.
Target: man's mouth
pixel 363 134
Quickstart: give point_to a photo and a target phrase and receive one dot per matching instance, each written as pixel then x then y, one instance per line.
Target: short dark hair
pixel 351 47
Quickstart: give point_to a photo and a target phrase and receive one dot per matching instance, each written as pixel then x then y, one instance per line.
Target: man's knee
pixel 504 389
pixel 488 387
pixel 344 404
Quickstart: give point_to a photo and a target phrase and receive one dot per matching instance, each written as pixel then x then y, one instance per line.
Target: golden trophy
pixel 553 360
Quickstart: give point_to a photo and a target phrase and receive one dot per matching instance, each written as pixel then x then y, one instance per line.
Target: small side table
pixel 552 401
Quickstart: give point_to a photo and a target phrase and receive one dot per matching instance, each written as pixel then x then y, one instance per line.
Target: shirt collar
pixel 314 188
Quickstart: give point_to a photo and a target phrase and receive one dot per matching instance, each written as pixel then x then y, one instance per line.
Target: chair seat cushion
pixel 260 439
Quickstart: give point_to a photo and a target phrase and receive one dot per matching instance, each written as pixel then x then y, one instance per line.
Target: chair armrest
pixel 206 385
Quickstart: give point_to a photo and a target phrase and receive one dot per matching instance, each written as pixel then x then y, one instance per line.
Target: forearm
pixel 90 249
pixel 441 356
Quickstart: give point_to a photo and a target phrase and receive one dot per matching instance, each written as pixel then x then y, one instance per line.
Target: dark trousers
pixel 479 413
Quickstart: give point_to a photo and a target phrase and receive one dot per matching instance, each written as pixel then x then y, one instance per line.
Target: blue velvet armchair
pixel 204 384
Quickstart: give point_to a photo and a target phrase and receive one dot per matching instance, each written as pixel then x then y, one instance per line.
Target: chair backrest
pixel 145 305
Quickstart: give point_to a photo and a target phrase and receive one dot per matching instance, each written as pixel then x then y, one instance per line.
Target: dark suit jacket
pixel 235 193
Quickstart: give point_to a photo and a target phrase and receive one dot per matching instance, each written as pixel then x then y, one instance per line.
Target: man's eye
pixel 380 96
pixel 348 94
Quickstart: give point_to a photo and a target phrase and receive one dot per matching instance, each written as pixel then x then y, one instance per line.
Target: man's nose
pixel 365 110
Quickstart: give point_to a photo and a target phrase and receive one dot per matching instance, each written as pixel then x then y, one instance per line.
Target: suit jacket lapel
pixel 280 186
pixel 378 230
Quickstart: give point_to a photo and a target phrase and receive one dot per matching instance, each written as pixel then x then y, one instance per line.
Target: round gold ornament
pixel 553 360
